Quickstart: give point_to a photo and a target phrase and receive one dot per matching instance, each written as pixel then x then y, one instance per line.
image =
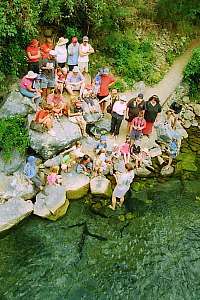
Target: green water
pixel 154 255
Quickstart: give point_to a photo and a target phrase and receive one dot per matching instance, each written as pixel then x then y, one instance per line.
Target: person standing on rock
pixel 106 80
pixel 118 112
pixel 124 181
pixel 73 53
pixel 152 113
pixel 85 50
pixel 30 170
pixel 61 52
pixel 133 108
pixel 33 55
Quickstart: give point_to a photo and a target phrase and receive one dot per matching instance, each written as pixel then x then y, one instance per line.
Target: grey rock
pixel 196 108
pixel 51 203
pixel 101 186
pixel 91 117
pixel 65 133
pixel 16 104
pixel 104 124
pixel 187 124
pixel 76 185
pixel 143 172
pixel 13 164
pixel 167 171
pixel 188 115
pixel 13 211
pixel 16 186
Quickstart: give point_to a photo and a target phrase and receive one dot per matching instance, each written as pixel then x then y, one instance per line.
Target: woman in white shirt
pixel 124 181
pixel 118 112
pixel 85 49
pixel 61 52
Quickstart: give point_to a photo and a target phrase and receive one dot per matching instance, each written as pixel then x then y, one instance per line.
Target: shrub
pixel 192 74
pixel 13 136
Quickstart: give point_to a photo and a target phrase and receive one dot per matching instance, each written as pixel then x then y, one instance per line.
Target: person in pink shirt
pixel 26 86
pixel 53 178
pixel 137 125
pixel 125 149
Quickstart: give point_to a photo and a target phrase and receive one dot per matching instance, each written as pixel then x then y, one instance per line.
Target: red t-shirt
pixel 106 80
pixel 33 51
pixel 45 48
pixel 41 114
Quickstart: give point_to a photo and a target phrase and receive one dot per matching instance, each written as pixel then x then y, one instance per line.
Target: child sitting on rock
pixel 125 149
pixel 59 80
pixel 54 178
pixel 102 144
pixel 85 166
pixel 102 163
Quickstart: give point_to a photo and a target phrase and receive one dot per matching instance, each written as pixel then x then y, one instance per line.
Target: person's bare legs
pixel 121 201
pixel 69 90
pixel 113 203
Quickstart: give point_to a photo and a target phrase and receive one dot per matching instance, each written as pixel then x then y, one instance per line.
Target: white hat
pixel 85 39
pixel 52 52
pixel 75 69
pixel 31 75
pixel 62 41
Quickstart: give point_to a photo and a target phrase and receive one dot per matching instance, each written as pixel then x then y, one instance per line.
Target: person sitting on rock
pixel 102 144
pixel 31 171
pixel 125 149
pixel 140 155
pixel 27 89
pixel 102 163
pixel 56 102
pixel 43 116
pixel 85 166
pixel 60 80
pixel 54 178
pixel 75 82
pixel 75 114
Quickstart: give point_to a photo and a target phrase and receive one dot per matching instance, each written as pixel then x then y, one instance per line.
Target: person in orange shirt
pixel 106 80
pixel 33 55
pixel 46 48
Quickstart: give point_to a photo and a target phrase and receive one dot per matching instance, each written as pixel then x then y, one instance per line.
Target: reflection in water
pixel 154 255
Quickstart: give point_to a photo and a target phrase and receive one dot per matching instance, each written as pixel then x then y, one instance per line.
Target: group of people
pixel 54 70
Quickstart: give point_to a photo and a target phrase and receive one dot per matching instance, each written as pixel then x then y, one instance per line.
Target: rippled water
pixel 154 255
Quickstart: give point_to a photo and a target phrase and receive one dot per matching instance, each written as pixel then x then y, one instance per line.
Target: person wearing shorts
pixel 137 125
pixel 85 49
pixel 48 67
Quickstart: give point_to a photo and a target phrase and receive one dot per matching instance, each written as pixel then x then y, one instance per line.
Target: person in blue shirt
pixel 73 53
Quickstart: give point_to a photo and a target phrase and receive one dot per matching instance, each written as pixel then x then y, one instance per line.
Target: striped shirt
pixel 139 122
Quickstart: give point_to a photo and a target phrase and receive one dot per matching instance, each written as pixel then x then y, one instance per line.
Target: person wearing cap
pixel 48 67
pixel 106 80
pixel 85 50
pixel 61 52
pixel 26 86
pixel 118 112
pixel 133 107
pixel 75 82
pixel 75 114
pixel 152 112
pixel 33 55
pixel 46 48
pixel 73 53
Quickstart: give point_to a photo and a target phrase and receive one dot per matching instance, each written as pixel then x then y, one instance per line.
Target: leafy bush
pixel 192 74
pixel 13 135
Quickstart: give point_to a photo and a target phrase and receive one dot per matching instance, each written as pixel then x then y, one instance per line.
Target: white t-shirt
pixel 84 49
pixel 61 54
pixel 119 107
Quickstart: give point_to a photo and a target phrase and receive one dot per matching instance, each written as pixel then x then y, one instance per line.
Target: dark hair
pixel 57 91
pixel 84 158
pixel 155 97
pixel 129 167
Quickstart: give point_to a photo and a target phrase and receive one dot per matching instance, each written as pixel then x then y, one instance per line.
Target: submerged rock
pixel 101 186
pixel 65 133
pixel 13 211
pixel 167 171
pixel 76 185
pixel 16 186
pixel 16 104
pixel 51 203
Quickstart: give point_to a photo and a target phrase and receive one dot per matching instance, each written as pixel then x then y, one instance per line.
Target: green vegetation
pixel 127 33
pixel 13 136
pixel 192 75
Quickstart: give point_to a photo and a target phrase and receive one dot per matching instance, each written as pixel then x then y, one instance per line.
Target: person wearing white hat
pixel 26 86
pixel 75 82
pixel 118 112
pixel 61 52
pixel 48 67
pixel 85 49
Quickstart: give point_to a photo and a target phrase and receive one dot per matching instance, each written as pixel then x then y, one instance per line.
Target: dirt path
pixel 165 87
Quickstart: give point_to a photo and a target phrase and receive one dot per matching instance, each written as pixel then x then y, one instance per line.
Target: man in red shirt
pixel 46 48
pixel 137 125
pixel 33 55
pixel 105 82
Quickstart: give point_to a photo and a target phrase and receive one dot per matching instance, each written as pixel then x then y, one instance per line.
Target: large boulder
pixel 76 185
pixel 51 203
pixel 13 164
pixel 47 145
pixel 101 186
pixel 196 108
pixel 16 104
pixel 16 186
pixel 91 117
pixel 13 211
